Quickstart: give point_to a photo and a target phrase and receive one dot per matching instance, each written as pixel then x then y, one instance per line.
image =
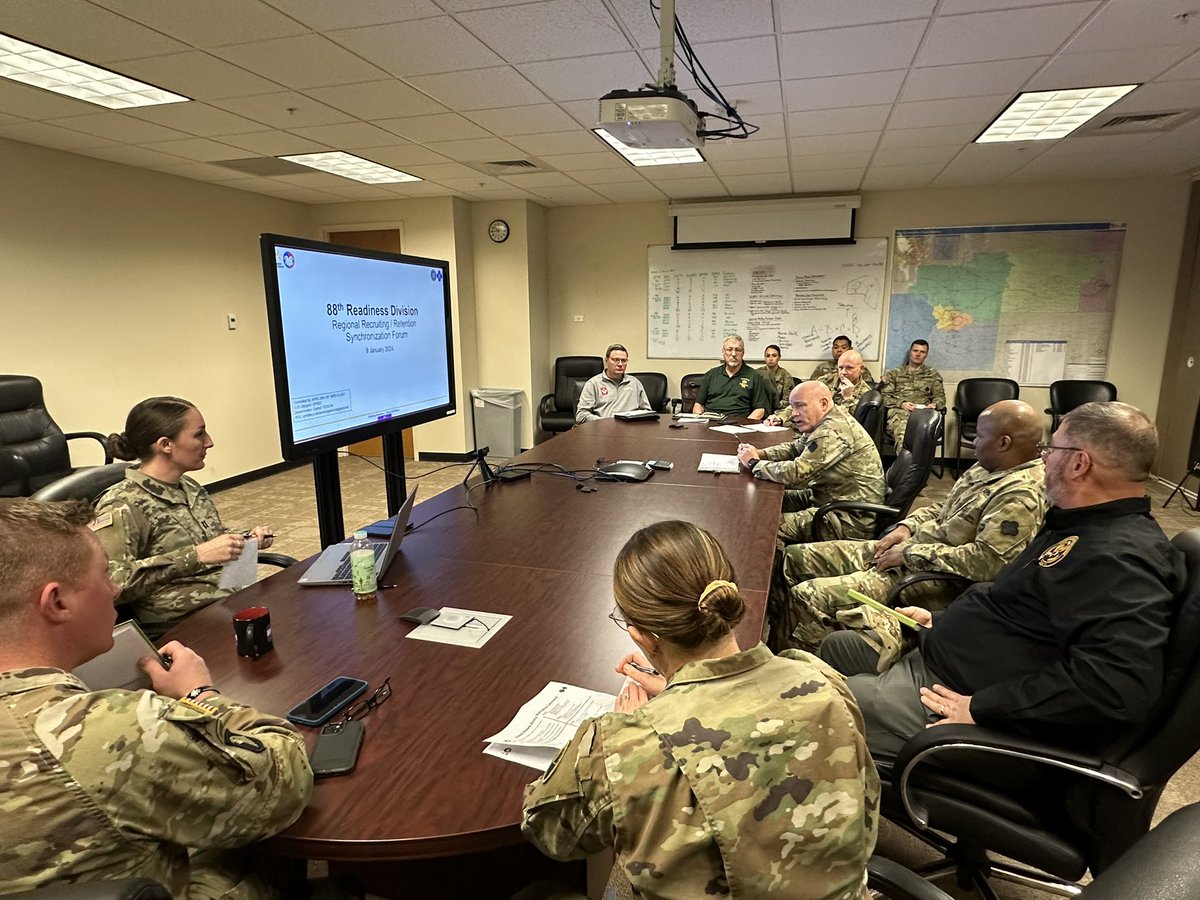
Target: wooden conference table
pixel 537 549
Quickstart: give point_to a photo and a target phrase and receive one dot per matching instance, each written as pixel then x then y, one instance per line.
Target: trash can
pixel 496 420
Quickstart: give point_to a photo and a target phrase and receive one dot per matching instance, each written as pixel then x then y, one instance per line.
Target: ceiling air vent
pixel 1139 123
pixel 511 167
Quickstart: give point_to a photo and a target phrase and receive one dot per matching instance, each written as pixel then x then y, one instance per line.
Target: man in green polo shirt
pixel 733 388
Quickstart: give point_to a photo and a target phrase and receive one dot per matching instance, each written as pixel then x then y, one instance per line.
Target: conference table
pixel 537 549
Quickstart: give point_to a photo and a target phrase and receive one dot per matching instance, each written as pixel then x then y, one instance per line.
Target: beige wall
pixel 598 270
pixel 114 286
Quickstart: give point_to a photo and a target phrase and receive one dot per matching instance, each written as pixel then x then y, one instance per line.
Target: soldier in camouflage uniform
pixel 840 345
pixel 112 783
pixel 833 459
pixel 699 790
pixel 847 382
pixel 909 387
pixel 164 539
pixel 989 516
pixel 778 379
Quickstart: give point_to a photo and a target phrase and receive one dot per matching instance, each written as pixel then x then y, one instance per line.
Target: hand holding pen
pixel 635 667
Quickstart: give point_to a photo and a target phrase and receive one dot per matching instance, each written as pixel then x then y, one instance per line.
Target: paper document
pixel 546 724
pixel 718 462
pixel 478 629
pixel 118 667
pixel 243 571
pixel 731 429
pixel 767 429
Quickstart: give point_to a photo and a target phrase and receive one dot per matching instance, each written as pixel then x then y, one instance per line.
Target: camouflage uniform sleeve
pixel 939 389
pixel 203 775
pixel 917 518
pixel 1010 520
pixel 123 542
pixel 568 811
pixel 817 454
pixel 889 389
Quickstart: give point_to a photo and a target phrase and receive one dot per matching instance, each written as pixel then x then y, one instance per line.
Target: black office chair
pixel 869 411
pixel 38 446
pixel 973 396
pixel 905 478
pixel 655 384
pixel 119 889
pixel 85 484
pixel 977 793
pixel 689 388
pixel 556 412
pixel 1066 395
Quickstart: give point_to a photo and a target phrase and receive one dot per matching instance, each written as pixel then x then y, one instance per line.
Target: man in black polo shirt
pixel 1067 644
pixel 733 388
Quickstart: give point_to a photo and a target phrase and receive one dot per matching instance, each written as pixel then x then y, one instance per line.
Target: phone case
pixel 295 715
pixel 336 751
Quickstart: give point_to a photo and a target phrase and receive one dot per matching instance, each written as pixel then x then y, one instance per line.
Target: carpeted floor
pixel 286 502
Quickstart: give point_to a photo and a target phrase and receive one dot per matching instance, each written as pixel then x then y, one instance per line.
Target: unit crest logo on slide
pixel 1052 556
pixel 288 259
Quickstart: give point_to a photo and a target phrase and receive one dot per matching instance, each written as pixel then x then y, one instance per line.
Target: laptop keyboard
pixel 342 573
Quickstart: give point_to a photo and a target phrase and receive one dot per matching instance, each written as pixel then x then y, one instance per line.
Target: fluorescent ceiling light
pixel 338 163
pixel 1047 115
pixel 42 68
pixel 639 157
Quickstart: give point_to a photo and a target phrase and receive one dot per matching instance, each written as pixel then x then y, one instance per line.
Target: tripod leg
pixel 1179 487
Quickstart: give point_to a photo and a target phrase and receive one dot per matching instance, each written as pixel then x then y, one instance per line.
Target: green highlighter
pixel 875 604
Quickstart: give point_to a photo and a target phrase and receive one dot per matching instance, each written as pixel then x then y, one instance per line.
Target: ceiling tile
pixel 418 48
pixel 757 185
pixel 325 16
pixel 197 149
pixel 303 61
pixel 928 137
pixel 442 172
pixel 119 127
pixel 535 180
pixel 693 188
pixel 834 143
pixel 1165 95
pixel 83 30
pixel 620 172
pixel 196 118
pixel 479 150
pixel 1006 76
pixel 559 143
pixel 212 23
pixel 993 161
pixel 31 103
pixel 588 77
pixel 703 21
pixel 895 178
pixel 283 110
pixel 480 88
pixel 407 155
pixel 956 7
pixel 377 99
pixel 964 111
pixel 1128 24
pixel 424 129
pixel 540 119
pixel 1188 69
pixel 822 180
pixel 274 143
pixel 755 147
pixel 837 121
pixel 1096 145
pixel 748 99
pixel 570 195
pixel 553 29
pixel 48 135
pixel 1057 167
pixel 1102 67
pixel 814 14
pixel 199 171
pixel 818 161
pixel 1010 34
pixel 772 165
pixel 847 51
pixel 576 163
pixel 629 192
pixel 915 156
pixel 198 75
pixel 348 135
pixel 747 60
pixel 843 90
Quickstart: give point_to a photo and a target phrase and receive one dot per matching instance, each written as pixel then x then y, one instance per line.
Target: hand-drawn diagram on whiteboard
pixel 1029 302
pixel 797 297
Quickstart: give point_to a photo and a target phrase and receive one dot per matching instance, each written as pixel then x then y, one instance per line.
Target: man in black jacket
pixel 1067 644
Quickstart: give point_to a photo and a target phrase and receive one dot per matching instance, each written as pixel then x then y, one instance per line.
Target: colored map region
pixel 977 293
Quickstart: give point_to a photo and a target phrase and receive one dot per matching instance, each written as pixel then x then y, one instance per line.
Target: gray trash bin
pixel 496 419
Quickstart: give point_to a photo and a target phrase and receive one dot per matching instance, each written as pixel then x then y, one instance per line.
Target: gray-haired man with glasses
pixel 1067 644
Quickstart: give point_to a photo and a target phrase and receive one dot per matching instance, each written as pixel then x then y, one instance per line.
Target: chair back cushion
pixel 571 373
pixel 689 387
pixel 83 484
pixel 28 431
pixel 869 413
pixel 655 384
pixel 908 474
pixel 974 395
pixel 1066 395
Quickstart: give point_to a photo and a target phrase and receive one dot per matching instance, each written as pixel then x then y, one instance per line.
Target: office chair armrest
pixel 893 598
pixel 899 883
pixel 14 468
pixel 94 435
pixel 674 403
pixel 282 560
pixel 927 744
pixel 546 405
pixel 822 512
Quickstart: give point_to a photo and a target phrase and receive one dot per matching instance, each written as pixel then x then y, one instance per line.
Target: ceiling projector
pixel 657 119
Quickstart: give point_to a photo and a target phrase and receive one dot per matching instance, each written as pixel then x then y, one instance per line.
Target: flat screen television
pixel 361 342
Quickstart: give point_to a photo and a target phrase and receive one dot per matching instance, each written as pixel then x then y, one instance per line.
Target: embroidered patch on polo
pixel 1052 556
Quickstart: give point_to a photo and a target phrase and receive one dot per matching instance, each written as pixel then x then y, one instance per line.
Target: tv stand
pixel 327 481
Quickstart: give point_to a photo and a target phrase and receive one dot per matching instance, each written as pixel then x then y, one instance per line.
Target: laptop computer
pixel 333 565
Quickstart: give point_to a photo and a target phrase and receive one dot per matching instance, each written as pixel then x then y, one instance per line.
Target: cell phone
pixel 660 464
pixel 321 706
pixel 336 750
pixel 875 604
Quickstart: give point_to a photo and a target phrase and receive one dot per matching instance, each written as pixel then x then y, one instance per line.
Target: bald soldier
pixel 988 518
pixel 109 784
pixel 833 459
pixel 847 382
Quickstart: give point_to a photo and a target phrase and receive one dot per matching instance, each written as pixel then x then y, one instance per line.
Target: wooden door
pixel 387 240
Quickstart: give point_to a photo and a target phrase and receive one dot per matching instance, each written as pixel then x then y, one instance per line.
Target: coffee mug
pixel 252 631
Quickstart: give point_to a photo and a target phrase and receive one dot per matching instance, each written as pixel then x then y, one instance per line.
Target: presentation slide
pixel 365 339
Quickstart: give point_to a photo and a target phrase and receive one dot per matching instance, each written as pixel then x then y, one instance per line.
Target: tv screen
pixel 360 340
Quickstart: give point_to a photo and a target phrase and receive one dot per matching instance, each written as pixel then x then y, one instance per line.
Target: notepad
pixel 719 462
pixel 118 668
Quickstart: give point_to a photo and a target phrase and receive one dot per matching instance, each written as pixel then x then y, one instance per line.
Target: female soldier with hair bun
pixel 164 539
pixel 730 773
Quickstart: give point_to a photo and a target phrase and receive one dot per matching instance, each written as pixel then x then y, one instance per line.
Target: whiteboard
pixel 797 297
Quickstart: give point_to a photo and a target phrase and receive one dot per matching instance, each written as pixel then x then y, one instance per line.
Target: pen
pixel 643 669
